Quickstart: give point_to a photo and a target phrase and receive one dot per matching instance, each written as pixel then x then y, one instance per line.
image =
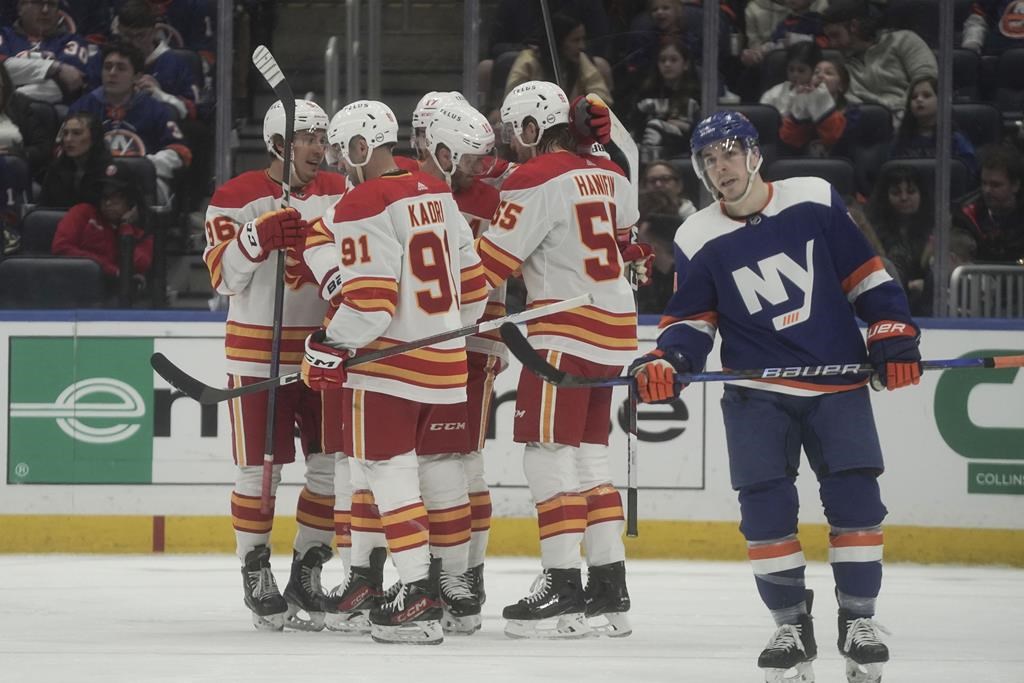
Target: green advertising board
pixel 80 411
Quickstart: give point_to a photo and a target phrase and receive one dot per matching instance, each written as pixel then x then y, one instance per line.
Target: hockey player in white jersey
pixel 422 115
pixel 558 221
pixel 245 224
pixel 460 146
pixel 780 270
pixel 401 244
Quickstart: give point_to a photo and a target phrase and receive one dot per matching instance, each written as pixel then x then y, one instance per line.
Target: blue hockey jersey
pixel 138 129
pixel 67 48
pixel 782 286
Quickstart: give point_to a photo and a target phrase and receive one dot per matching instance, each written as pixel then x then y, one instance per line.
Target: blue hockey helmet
pixel 722 127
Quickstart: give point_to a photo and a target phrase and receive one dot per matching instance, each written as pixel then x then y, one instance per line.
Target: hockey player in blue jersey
pixel 781 271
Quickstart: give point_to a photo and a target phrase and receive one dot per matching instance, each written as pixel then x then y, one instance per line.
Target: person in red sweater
pixel 95 231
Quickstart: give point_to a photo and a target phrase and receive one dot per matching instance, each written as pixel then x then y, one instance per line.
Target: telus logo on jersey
pixel 770 287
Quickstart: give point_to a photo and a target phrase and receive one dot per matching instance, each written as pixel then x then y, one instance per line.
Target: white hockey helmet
pixel 433 101
pixel 372 120
pixel 542 101
pixel 467 134
pixel 308 116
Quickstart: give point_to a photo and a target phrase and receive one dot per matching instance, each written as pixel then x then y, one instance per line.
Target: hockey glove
pixel 638 258
pixel 323 366
pixel 278 229
pixel 655 375
pixel 590 120
pixel 894 353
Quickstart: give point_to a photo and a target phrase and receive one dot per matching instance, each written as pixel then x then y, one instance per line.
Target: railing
pixel 987 291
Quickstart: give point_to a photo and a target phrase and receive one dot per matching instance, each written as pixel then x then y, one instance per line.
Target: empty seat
pixel 50 282
pixel 960 179
pixel 839 172
pixel 921 17
pixel 966 75
pixel 1009 95
pixel 38 228
pixel 981 123
pixel 16 182
pixel 767 121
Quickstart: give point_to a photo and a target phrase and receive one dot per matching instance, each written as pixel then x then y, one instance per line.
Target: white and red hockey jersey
pixel 557 222
pixel 249 285
pixel 478 203
pixel 408 270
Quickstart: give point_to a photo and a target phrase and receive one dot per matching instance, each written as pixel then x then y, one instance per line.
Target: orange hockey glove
pixel 655 375
pixel 893 349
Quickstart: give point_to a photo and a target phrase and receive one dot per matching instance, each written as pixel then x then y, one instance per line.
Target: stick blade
pixel 263 60
pixel 177 377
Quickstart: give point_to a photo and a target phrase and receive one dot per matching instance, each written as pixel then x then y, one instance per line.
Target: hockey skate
pixel 348 605
pixel 608 600
pixel 413 616
pixel 261 594
pixel 461 607
pixel 554 609
pixel 860 644
pixel 476 583
pixel 304 594
pixel 787 657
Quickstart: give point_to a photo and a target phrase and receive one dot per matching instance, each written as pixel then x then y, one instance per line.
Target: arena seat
pixel 50 282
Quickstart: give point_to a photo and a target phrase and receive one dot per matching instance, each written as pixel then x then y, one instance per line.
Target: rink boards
pixel 98 453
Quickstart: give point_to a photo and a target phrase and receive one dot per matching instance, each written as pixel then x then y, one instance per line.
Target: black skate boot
pixel 787 657
pixel 461 607
pixel 348 606
pixel 554 609
pixel 608 600
pixel 414 615
pixel 260 591
pixel 860 644
pixel 304 593
pixel 476 582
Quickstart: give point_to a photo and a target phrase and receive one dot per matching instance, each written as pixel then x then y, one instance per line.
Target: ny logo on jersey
pixel 769 286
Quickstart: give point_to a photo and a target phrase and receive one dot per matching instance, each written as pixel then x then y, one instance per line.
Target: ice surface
pixel 181 618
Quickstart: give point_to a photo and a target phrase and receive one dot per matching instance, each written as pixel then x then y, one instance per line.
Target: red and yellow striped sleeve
pixel 498 264
pixel 371 294
pixel 474 284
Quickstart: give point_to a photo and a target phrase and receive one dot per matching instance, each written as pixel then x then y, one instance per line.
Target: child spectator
pixel 902 213
pixel 801 58
pixel 667 105
pixel 994 215
pixel 916 136
pixel 801 24
pixel 578 75
pixel 827 120
pixel 661 176
pixel 75 175
pixel 97 231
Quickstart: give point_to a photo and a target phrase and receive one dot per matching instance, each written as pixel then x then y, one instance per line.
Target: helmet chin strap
pixel 751 171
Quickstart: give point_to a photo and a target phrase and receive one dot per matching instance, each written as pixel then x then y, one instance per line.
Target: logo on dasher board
pixel 73 408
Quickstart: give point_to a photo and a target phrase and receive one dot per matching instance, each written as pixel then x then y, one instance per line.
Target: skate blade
pixel 348 623
pixel 801 673
pixel 294 619
pixel 414 633
pixel 612 624
pixel 566 627
pixel 460 626
pixel 863 673
pixel 270 622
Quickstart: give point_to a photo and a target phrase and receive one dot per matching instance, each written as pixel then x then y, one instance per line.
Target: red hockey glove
pixel 655 375
pixel 278 229
pixel 893 351
pixel 590 120
pixel 638 257
pixel 323 366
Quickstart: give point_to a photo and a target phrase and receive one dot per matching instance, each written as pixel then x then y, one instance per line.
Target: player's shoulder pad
pixel 543 168
pixel 704 226
pixel 606 164
pixel 791 192
pixel 329 183
pixel 244 189
pixel 406 163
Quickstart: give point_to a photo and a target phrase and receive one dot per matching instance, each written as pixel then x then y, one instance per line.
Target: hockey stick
pixel 533 361
pixel 271 72
pixel 205 394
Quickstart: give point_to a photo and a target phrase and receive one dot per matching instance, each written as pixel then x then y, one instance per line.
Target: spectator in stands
pixel 97 231
pixel 168 78
pixel 75 175
pixel 661 176
pixel 828 120
pixel 801 59
pixel 134 123
pixel 916 136
pixel 21 133
pixel 994 216
pixel 657 226
pixel 994 26
pixel 882 64
pixel 45 61
pixel 667 105
pixel 902 213
pixel 860 217
pixel 801 24
pixel 762 17
pixel 578 75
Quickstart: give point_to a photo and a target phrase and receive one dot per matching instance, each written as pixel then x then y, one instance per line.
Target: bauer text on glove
pixel 893 350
